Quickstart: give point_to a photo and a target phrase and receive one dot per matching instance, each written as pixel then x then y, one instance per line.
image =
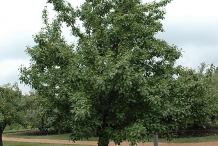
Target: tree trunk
pixel 103 139
pixel 1 143
pixel 2 127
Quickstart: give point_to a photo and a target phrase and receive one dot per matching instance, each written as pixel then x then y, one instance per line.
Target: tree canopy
pixel 41 114
pixel 12 104
pixel 118 80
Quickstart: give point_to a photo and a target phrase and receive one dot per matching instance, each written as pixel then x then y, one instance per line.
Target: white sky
pixel 190 24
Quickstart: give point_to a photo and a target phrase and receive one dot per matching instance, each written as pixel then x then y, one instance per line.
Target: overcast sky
pixel 189 24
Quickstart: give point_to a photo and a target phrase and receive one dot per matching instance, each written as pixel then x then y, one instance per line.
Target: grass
pixel 57 137
pixel 7 143
pixel 53 136
pixel 211 138
pixel 66 137
pixel 15 131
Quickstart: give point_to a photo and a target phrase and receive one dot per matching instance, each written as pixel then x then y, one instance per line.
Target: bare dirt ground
pixel 94 143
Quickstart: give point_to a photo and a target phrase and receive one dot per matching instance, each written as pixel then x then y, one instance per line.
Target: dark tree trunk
pixel 103 139
pixel 1 143
pixel 2 127
pixel 102 134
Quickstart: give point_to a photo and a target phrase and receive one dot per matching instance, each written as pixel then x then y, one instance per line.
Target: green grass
pixel 7 143
pixel 15 130
pixel 55 136
pixel 66 137
pixel 211 138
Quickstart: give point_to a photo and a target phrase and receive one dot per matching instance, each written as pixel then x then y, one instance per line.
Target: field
pixel 33 138
pixel 9 143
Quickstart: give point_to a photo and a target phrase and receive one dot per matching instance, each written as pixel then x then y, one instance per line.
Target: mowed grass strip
pixel 55 136
pixel 211 138
pixel 52 136
pixel 9 143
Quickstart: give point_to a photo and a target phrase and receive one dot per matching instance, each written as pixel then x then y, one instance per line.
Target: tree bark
pixel 102 134
pixel 103 139
pixel 1 143
pixel 2 127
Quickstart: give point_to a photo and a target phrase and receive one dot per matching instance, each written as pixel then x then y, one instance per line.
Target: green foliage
pixel 193 92
pixel 12 104
pixel 214 92
pixel 118 80
pixel 35 114
pixel 42 115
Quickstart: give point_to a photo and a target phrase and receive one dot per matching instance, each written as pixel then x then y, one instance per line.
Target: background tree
pixel 12 104
pixel 118 80
pixel 214 91
pixel 41 115
pixel 194 90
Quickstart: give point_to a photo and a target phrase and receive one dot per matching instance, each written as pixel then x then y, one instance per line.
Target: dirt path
pixel 94 143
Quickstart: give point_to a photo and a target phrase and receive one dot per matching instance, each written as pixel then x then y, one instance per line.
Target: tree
pixel 209 74
pixel 41 115
pixel 214 91
pixel 118 79
pixel 12 104
pixel 193 89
